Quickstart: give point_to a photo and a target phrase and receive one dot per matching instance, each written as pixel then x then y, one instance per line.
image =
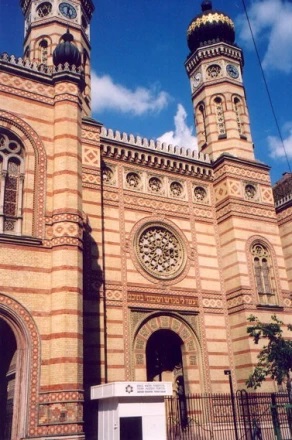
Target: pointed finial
pixel 68 36
pixel 206 5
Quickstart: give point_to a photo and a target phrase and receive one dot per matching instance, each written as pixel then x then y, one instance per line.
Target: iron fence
pixel 243 416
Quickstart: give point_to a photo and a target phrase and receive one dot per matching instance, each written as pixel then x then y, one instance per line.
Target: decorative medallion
pixel 44 9
pixel 200 194
pixel 160 251
pixel 213 71
pixel 176 189
pixel 107 175
pixel 250 191
pixel 133 180
pixel 155 184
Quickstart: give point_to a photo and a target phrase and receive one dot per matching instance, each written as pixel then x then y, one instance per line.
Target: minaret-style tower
pixel 214 67
pixel 46 23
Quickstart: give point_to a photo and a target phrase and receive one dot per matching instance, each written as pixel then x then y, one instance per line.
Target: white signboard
pixel 131 389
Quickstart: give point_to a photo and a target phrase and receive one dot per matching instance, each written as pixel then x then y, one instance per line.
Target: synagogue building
pixel 124 259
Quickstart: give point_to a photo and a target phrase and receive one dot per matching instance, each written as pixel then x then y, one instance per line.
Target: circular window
pixel 160 251
pixel 44 9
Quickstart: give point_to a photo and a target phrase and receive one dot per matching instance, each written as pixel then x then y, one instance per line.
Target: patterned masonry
pixel 123 258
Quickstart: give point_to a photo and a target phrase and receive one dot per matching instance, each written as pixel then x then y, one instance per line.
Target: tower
pixel 250 251
pixel 46 23
pixel 214 67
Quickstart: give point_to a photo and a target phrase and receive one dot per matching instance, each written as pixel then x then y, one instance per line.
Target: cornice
pixel 225 158
pixel 214 50
pixel 128 148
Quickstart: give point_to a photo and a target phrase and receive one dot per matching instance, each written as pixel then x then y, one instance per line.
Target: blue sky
pixel 139 82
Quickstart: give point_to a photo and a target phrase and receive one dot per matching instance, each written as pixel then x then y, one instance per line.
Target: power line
pixel 266 85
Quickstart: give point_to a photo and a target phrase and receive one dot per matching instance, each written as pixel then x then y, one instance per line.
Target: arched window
pixel 201 115
pixel 219 110
pixel 263 272
pixel 11 184
pixel 237 105
pixel 44 52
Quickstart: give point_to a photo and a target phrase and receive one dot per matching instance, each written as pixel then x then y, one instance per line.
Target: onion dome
pixel 210 27
pixel 67 52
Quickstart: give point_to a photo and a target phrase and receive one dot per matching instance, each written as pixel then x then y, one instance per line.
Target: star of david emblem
pixel 129 389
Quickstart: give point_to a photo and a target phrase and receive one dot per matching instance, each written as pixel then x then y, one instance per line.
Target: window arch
pixel 238 109
pixel 201 123
pixel 11 183
pixel 44 51
pixel 264 274
pixel 219 111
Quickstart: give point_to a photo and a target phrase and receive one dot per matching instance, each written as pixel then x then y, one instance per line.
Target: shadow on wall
pixel 92 308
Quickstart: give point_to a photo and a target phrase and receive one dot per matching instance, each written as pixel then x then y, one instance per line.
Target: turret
pixel 214 67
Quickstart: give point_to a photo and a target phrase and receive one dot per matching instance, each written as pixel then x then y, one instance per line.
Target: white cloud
pixel 276 147
pixel 271 24
pixel 182 134
pixel 108 95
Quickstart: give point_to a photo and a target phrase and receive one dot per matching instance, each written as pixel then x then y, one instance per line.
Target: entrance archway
pixel 8 361
pixel 168 333
pixel 19 370
pixel 164 356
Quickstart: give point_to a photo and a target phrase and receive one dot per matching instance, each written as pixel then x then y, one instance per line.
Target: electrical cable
pixel 266 85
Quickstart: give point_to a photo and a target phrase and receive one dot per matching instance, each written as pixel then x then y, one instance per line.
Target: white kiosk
pixel 131 410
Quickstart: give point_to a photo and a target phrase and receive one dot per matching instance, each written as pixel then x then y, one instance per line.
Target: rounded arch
pixel 271 266
pixel 27 340
pixel 43 41
pixel 36 166
pixel 190 346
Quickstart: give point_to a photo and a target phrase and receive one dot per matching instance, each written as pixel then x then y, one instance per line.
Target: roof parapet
pixel 150 144
pixel 27 65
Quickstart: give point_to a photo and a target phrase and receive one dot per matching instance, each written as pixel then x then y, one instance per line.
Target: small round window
pixel 44 9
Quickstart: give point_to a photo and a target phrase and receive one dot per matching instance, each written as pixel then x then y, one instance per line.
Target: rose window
pixel 160 251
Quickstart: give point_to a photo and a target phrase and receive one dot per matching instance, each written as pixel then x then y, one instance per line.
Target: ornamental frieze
pixel 91 179
pixel 20 85
pixel 246 211
pixel 90 136
pixel 285 215
pixel 246 173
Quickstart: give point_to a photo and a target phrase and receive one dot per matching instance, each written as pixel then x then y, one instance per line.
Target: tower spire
pixel 214 67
